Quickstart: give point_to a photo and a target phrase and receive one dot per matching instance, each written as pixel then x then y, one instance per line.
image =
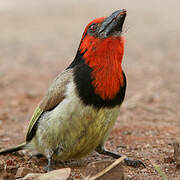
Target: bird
pixel 81 106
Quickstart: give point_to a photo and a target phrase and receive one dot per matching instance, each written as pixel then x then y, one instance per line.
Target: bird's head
pixel 101 49
pixel 104 34
pixel 105 27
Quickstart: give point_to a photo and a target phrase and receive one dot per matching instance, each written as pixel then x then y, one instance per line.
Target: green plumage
pixel 74 133
pixel 13 149
pixel 37 113
pixel 53 97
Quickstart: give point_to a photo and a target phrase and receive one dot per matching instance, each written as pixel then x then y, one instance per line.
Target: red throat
pixel 104 56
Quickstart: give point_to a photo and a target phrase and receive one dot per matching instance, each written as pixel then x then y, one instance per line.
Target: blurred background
pixel 38 39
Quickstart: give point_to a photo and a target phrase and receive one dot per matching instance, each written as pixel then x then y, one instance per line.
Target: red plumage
pixel 104 56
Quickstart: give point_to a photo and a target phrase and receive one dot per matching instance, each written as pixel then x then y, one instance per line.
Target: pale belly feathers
pixel 72 130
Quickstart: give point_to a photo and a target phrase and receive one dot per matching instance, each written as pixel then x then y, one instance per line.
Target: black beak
pixel 113 23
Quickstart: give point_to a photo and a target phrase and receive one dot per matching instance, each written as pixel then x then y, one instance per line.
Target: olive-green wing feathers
pixel 54 96
pixel 37 113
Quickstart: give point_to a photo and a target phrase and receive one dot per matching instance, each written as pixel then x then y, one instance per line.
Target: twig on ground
pixel 115 163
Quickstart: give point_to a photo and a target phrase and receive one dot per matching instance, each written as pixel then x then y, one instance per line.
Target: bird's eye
pixel 93 27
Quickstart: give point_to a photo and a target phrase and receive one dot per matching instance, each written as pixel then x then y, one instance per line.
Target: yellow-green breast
pixel 73 130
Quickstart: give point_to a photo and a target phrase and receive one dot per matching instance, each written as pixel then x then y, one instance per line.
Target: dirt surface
pixel 39 39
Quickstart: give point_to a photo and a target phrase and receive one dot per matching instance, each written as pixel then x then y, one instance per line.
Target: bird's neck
pixel 105 58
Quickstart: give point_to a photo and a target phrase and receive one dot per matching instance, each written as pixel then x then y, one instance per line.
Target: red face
pixel 103 48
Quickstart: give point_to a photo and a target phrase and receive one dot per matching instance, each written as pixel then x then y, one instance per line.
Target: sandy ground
pixel 38 39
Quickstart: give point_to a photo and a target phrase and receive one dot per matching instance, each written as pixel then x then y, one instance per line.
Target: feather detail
pixel 56 92
pixel 13 149
pixel 37 113
pixel 54 96
pixel 104 56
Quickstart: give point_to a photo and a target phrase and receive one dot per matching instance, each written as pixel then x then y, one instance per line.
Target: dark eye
pixel 93 27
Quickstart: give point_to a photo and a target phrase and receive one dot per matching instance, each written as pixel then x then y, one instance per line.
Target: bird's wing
pixel 53 97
